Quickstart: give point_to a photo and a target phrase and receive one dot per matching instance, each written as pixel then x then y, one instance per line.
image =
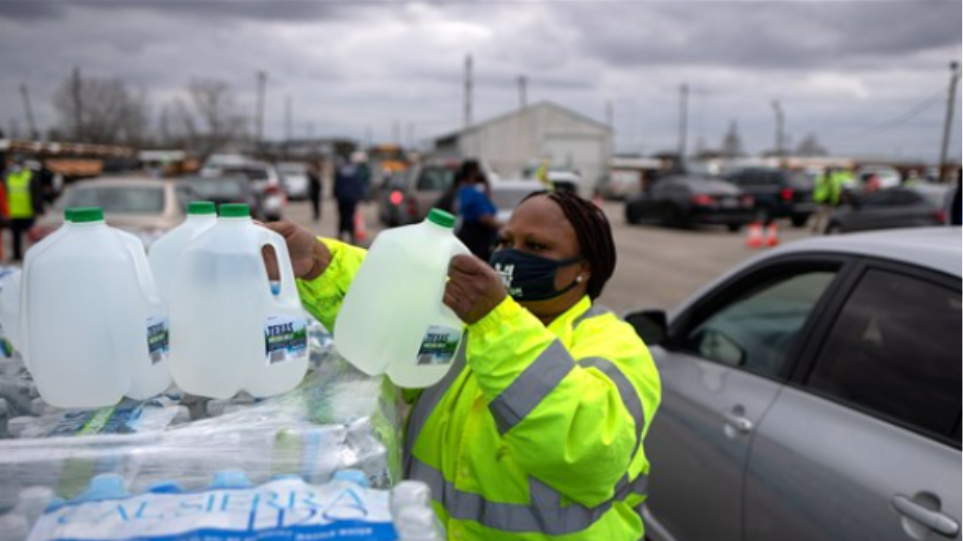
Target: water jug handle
pixel 289 291
pixel 145 277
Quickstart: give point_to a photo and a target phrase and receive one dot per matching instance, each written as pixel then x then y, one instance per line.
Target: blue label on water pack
pixel 286 509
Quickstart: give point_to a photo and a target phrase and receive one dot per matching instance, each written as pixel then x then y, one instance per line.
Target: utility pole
pixel 468 83
pixel 951 100
pixel 261 89
pixel 288 105
pixel 683 118
pixel 780 120
pixel 25 93
pixel 522 91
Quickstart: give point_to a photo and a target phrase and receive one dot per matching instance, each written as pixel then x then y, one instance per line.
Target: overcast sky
pixel 867 77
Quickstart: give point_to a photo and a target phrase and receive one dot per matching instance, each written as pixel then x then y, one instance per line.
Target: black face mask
pixel 529 277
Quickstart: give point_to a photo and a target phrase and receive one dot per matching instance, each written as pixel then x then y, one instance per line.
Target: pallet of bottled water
pixel 338 419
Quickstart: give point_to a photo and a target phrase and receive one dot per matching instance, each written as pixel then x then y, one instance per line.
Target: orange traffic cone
pixel 360 231
pixel 754 240
pixel 772 235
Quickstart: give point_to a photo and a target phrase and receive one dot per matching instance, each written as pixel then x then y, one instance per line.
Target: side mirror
pixel 651 325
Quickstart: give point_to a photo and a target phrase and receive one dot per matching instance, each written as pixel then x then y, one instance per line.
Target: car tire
pixel 799 220
pixel 631 217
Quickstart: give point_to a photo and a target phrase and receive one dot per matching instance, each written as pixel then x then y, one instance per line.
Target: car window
pixel 895 350
pixel 435 179
pixel 118 199
pixel 756 330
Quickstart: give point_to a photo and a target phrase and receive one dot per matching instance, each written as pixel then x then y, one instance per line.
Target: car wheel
pixel 799 220
pixel 631 217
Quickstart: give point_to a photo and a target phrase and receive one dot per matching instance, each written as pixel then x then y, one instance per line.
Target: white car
pixel 294 177
pixel 267 186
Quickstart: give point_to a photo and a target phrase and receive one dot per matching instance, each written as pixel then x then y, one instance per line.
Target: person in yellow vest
pixel 827 194
pixel 24 203
pixel 537 431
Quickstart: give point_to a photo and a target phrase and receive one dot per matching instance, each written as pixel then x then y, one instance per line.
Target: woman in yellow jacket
pixel 536 432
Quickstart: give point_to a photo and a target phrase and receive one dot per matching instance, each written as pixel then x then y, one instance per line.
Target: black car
pixel 893 207
pixel 230 189
pixel 778 193
pixel 687 201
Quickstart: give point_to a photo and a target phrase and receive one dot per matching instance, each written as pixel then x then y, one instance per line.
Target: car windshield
pixel 117 199
pixel 252 173
pixel 218 188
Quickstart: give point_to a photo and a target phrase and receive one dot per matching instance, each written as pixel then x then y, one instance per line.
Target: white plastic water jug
pixel 229 332
pixel 10 297
pixel 163 254
pixel 392 320
pixel 92 326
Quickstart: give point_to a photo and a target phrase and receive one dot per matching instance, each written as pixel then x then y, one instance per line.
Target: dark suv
pixel 778 193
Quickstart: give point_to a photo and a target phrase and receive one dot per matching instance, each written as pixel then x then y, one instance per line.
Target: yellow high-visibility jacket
pixel 536 432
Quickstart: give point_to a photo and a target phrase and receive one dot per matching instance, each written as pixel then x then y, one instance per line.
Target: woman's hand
pixel 474 289
pixel 309 256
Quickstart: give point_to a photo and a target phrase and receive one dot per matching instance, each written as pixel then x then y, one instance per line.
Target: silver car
pixel 811 394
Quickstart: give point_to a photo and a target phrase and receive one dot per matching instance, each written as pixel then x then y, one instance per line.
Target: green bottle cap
pixel 442 218
pixel 235 210
pixel 69 215
pixel 201 207
pixel 86 215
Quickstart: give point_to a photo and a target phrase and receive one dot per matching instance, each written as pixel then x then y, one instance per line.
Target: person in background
pixel 24 202
pixel 315 188
pixel 349 190
pixel 827 194
pixel 537 432
pixel 479 227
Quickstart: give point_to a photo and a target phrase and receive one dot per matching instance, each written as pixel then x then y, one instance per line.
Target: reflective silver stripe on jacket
pixel 536 382
pixel 630 398
pixel 595 310
pixel 544 514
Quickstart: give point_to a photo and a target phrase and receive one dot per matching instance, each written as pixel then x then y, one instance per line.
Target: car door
pixel 865 444
pixel 722 367
pixel 872 213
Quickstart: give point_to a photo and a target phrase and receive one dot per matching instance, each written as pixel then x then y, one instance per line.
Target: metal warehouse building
pixel 543 131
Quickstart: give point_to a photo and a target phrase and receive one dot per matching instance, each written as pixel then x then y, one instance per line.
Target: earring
pixel 579 280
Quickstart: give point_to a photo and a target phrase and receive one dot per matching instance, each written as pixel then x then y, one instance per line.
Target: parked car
pixel 812 393
pixel 220 190
pixel 507 194
pixel 687 201
pixel 145 207
pixel 267 187
pixel 215 164
pixel 778 193
pixel 918 206
pixel 294 177
pixel 407 196
pixel 888 176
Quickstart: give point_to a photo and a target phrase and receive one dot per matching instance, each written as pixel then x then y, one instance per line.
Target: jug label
pixel 285 339
pixel 439 345
pixel 158 339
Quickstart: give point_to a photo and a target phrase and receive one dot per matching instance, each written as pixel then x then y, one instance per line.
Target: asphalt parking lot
pixel 657 267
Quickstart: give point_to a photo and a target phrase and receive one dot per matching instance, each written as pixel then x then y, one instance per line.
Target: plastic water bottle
pixel 92 326
pixel 201 216
pixel 413 516
pixel 229 332
pixel 393 320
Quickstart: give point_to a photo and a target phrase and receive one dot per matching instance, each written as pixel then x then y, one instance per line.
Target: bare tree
pixel 210 119
pixel 810 147
pixel 732 142
pixel 101 111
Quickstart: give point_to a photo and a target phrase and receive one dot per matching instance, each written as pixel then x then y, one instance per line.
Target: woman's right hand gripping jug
pixel 393 320
pixel 228 331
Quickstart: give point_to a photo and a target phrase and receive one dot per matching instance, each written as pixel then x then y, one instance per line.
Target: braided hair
pixel 594 235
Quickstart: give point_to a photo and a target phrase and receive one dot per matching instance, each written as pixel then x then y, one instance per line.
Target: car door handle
pixel 934 520
pixel 738 422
